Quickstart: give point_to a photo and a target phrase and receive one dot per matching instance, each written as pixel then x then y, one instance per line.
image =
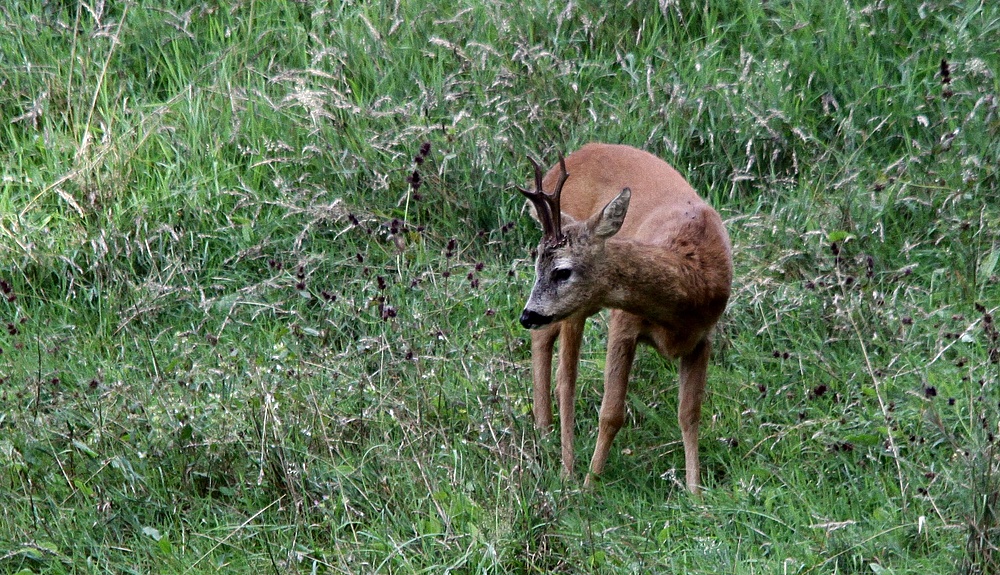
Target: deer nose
pixel 532 320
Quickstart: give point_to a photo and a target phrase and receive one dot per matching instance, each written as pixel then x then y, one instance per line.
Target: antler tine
pixel 546 205
pixel 553 198
pixel 551 201
pixel 538 175
pixel 562 178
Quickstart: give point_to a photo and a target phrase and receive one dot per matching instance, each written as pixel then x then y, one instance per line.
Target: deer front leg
pixel 622 334
pixel 542 342
pixel 570 336
pixel 693 372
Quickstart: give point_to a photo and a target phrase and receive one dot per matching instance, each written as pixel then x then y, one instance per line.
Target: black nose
pixel 532 320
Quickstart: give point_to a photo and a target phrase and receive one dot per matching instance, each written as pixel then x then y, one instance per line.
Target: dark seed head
pixel 414 180
pixel 945 72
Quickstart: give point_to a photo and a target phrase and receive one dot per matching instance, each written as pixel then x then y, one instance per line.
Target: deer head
pixel 568 271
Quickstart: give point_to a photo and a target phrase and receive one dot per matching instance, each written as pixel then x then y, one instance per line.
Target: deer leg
pixel 570 336
pixel 693 372
pixel 542 342
pixel 622 336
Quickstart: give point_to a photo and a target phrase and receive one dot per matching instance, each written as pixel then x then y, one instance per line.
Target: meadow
pixel 261 265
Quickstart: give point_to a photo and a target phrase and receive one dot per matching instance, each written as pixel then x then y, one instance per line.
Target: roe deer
pixel 639 240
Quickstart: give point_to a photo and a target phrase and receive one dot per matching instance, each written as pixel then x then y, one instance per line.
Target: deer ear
pixel 610 219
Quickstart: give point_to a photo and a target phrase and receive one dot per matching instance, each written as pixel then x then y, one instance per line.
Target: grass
pixel 253 323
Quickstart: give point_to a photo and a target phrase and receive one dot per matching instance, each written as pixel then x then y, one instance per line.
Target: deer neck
pixel 643 279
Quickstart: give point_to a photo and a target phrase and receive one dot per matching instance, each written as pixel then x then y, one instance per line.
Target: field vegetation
pixel 261 264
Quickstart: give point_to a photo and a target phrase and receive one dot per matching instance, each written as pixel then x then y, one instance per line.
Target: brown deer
pixel 623 230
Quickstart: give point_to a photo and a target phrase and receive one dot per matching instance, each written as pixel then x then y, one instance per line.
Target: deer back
pixel 599 172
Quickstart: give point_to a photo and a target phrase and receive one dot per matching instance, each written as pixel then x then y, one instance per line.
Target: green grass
pixel 239 339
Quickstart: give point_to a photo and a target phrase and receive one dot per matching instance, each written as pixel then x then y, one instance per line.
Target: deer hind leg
pixel 693 373
pixel 542 342
pixel 623 332
pixel 570 336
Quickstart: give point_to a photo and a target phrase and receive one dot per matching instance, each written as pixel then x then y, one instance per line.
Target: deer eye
pixel 561 274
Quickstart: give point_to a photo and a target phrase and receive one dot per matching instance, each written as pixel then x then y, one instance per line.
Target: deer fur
pixel 623 230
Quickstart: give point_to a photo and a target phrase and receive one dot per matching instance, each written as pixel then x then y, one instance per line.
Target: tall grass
pixel 261 261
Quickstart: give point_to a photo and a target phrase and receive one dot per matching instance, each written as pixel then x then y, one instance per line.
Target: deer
pixel 623 230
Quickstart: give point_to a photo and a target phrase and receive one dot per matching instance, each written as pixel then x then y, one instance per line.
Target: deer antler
pixel 547 205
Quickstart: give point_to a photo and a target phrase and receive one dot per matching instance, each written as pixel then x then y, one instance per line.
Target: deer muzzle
pixel 534 320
